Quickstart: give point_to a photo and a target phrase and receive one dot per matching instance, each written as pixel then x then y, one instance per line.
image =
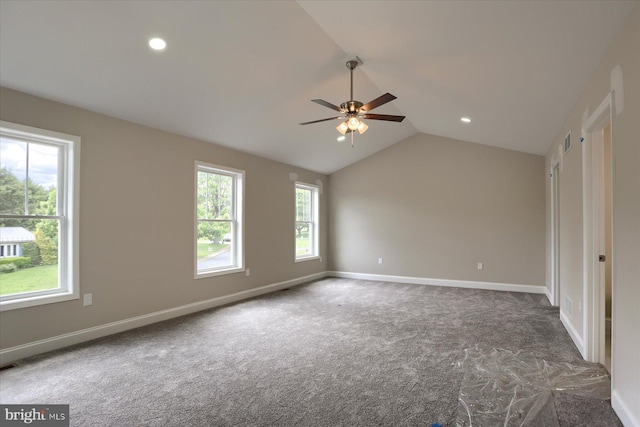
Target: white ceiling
pixel 242 74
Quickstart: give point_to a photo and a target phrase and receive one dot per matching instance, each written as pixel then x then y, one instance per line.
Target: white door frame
pixel 593 228
pixel 555 232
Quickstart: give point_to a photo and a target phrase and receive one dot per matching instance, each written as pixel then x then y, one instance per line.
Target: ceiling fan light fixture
pixel 353 123
pixel 362 127
pixel 343 127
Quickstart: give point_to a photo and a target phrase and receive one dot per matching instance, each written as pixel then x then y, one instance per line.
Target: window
pixel 307 201
pixel 39 190
pixel 219 216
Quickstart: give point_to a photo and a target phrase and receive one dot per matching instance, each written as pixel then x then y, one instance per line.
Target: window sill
pixel 37 300
pixel 214 273
pixel 308 258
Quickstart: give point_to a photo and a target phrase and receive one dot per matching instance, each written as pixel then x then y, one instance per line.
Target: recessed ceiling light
pixel 465 119
pixel 341 138
pixel 157 44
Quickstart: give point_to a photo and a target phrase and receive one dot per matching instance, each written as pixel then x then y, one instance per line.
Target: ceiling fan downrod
pixel 351 107
pixel 351 65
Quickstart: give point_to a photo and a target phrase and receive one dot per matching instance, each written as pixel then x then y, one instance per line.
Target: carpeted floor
pixel 335 352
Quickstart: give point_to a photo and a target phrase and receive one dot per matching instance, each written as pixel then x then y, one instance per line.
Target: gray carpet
pixel 334 352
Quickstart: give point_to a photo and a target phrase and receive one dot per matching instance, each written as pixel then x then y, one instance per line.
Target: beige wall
pixel 625 52
pixel 434 207
pixel 136 221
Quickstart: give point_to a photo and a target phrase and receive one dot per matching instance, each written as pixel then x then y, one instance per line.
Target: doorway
pixel 603 292
pixel 598 172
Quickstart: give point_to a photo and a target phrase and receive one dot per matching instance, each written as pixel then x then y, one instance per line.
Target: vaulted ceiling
pixel 242 74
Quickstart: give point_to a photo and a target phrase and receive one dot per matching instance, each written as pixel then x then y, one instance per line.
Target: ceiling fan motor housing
pixel 351 106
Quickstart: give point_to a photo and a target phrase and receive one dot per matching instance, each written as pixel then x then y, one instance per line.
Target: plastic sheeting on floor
pixel 503 388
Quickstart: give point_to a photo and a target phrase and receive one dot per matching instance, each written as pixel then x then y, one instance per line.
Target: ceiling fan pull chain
pixel 352 146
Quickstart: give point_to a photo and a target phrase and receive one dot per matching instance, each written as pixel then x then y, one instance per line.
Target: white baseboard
pixel 37 347
pixel 441 282
pixel 547 293
pixel 575 336
pixel 623 411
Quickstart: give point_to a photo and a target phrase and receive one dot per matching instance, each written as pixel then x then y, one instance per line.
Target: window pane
pixel 202 195
pixel 43 179
pixel 215 195
pixel 304 243
pixel 221 196
pixel 303 204
pixel 13 172
pixel 30 256
pixel 215 244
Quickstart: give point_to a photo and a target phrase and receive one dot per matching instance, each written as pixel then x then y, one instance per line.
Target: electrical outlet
pixel 247 272
pixel 380 260
pixel 87 299
pixel 480 266
pixel 320 259
pixel 580 306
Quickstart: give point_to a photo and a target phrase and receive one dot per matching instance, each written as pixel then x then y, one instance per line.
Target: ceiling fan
pixel 354 111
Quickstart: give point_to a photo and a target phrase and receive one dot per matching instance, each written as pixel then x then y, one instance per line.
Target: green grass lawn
pixel 303 245
pixel 206 248
pixel 29 279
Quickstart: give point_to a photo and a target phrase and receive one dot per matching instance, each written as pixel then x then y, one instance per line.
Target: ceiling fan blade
pixel 327 104
pixel 381 100
pixel 322 120
pixel 386 117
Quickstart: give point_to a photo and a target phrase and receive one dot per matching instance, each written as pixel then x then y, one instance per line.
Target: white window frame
pixel 237 228
pixel 68 214
pixel 314 230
